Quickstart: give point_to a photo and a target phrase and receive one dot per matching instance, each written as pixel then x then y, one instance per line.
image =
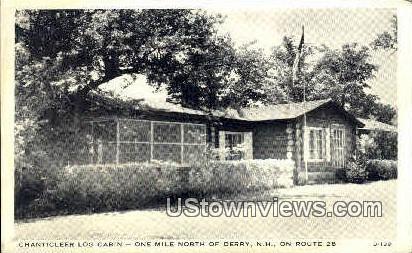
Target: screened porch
pixel 119 141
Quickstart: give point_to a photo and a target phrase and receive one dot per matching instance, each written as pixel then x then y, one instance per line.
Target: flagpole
pixel 295 69
pixel 305 156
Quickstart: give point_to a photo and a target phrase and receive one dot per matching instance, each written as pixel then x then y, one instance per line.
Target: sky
pixel 332 27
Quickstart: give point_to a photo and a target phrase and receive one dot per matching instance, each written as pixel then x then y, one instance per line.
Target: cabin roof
pixel 254 114
pixel 282 111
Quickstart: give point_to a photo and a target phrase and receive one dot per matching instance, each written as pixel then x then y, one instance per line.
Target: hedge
pixel 100 188
pixel 361 170
pixel 381 169
pixel 241 176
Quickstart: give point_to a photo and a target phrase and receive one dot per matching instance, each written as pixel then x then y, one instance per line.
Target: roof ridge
pixel 292 103
pixel 309 101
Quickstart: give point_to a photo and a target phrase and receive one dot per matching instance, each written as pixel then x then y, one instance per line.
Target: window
pixel 235 145
pixel 326 144
pixel 317 144
pixel 233 142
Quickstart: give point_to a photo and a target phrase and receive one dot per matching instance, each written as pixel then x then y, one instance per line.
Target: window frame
pixel 242 135
pixel 323 155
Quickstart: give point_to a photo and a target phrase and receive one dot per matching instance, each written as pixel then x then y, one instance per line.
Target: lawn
pixel 155 224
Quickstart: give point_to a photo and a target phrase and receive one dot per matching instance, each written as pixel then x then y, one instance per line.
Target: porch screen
pixel 167 142
pixel 129 140
pixel 103 142
pixel 134 141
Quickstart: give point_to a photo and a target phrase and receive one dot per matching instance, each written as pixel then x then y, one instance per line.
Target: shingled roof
pixel 282 111
pixel 263 113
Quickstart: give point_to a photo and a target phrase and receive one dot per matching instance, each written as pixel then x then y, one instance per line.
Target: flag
pixel 297 57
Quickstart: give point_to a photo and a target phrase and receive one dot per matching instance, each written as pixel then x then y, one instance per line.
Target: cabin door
pixel 337 141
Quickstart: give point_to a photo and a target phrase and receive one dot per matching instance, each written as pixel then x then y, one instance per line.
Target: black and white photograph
pixel 232 129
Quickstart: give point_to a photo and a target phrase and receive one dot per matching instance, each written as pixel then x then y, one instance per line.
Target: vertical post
pixel 181 142
pixel 298 150
pixel 355 142
pixel 117 141
pixel 305 156
pixel 222 145
pixel 151 140
pixel 295 69
pixel 208 136
pixel 92 147
pixel 99 151
pixel 304 115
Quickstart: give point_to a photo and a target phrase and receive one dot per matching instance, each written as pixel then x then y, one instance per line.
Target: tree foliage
pixel 388 39
pixel 177 48
pixel 182 50
pixel 342 74
pixel 281 63
pixel 96 46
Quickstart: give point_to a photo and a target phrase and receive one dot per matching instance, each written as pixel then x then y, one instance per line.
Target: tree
pixel 281 63
pixel 203 74
pixel 249 81
pixel 92 47
pixel 388 40
pixel 343 74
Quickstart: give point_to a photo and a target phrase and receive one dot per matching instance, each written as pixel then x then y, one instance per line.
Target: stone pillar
pixel 291 144
pixel 290 149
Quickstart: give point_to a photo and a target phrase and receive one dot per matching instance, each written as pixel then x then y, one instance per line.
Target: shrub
pixel 379 145
pixel 98 188
pixel 80 189
pixel 241 176
pixel 31 183
pixel 355 171
pixel 381 169
pixel 106 188
pixel 29 186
